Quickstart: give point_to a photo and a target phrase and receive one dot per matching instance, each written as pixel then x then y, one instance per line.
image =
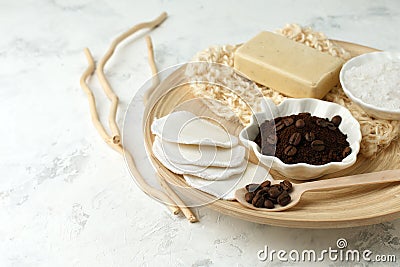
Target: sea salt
pixel 376 83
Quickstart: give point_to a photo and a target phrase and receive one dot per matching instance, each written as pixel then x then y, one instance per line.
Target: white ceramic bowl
pixel 323 109
pixel 372 110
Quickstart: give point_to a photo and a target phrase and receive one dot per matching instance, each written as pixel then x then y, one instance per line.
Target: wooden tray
pixel 339 208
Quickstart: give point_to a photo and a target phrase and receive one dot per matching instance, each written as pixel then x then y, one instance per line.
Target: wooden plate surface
pixel 339 208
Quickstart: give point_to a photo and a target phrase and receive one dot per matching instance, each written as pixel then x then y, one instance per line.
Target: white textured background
pixel 66 199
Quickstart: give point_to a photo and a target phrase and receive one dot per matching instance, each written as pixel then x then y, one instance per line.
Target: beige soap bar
pixel 291 68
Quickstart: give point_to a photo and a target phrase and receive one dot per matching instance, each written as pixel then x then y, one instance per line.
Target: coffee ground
pixel 303 138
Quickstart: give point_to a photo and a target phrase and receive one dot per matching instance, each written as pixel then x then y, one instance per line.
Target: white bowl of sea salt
pixel 373 82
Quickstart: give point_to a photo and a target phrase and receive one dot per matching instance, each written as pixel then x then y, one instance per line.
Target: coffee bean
pixel 331 126
pixel 336 120
pixel 272 139
pixel 321 122
pixel 310 136
pixel 255 199
pixel 286 185
pixel 274 192
pixel 249 197
pixel 290 151
pixel 273 200
pixel 262 192
pixel 279 126
pixel 265 184
pixel 269 204
pixel 288 121
pixel 284 198
pixel 300 123
pixel 269 195
pixel 259 203
pixel 346 151
pixel 318 145
pixel 295 139
pixel 279 186
pixel 252 187
pixel 283 193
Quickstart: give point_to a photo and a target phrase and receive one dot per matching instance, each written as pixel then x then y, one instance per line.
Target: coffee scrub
pixel 303 138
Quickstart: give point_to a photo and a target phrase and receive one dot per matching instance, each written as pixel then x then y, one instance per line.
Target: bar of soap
pixel 291 68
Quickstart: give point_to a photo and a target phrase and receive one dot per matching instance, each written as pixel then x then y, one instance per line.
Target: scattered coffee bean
pixel 277 186
pixel 279 126
pixel 269 195
pixel 255 199
pixel 273 200
pixel 269 204
pixel 295 139
pixel 259 203
pixel 286 185
pixel 300 123
pixel 331 126
pixel 321 122
pixel 252 187
pixel 249 196
pixel 288 121
pixel 284 198
pixel 346 151
pixel 272 139
pixel 310 136
pixel 262 192
pixel 274 192
pixel 265 184
pixel 318 145
pixel 336 120
pixel 290 151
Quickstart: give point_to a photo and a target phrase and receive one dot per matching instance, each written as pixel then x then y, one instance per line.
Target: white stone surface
pixel 66 199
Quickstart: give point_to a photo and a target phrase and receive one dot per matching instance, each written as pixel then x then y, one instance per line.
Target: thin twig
pixel 152 63
pixel 178 210
pixel 92 102
pixel 103 80
pixel 118 147
pixel 185 210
